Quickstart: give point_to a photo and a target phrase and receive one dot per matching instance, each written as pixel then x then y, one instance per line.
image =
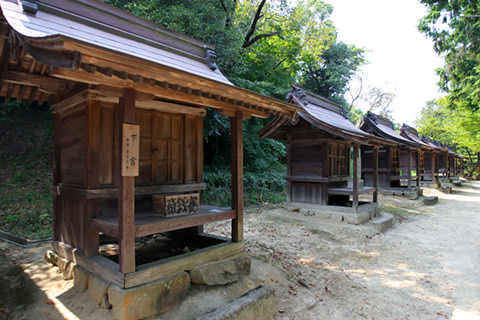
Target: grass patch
pixel 393 209
pixel 259 187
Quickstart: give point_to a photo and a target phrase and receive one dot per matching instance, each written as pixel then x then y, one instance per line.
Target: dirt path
pixel 426 267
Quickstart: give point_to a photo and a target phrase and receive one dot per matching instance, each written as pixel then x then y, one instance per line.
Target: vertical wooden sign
pixel 130 150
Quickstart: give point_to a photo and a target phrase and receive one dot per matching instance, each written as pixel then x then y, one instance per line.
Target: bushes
pixel 259 188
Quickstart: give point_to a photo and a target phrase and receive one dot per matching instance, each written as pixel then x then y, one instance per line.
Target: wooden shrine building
pixel 129 98
pixel 395 162
pixel 321 142
pixel 428 155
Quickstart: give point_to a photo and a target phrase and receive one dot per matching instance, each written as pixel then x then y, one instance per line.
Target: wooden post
pixel 409 174
pixel 417 168
pixel 355 177
pixel 289 167
pixel 237 175
pixel 375 174
pixel 126 190
pixel 56 177
pixel 91 237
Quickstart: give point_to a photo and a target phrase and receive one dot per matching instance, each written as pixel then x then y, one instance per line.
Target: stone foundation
pixel 365 212
pixel 148 300
pixel 412 194
pixel 259 304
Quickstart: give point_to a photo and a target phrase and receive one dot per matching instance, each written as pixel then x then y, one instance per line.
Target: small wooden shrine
pixel 321 142
pixel 428 155
pixel 395 162
pixel 129 99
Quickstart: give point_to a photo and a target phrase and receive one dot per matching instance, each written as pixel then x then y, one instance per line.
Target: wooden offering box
pixel 176 205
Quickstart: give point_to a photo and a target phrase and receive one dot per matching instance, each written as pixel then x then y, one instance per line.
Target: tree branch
pixel 258 37
pixel 279 63
pixel 253 25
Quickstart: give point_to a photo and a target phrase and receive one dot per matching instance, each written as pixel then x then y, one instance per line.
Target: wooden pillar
pixel 289 167
pixel 375 174
pixel 461 167
pixel 409 173
pixel 433 167
pixel 237 175
pixel 455 168
pixel 355 177
pixel 126 190
pixel 417 168
pixel 56 219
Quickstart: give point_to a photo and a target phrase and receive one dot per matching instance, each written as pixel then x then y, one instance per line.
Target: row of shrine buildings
pixel 129 99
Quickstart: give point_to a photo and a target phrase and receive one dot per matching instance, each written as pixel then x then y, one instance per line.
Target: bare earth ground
pixel 426 267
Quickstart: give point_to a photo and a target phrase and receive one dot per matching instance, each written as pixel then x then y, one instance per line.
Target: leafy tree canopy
pixel 454 26
pixel 457 127
pixel 262 46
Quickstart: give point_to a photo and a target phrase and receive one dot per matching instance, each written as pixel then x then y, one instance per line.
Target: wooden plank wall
pixel 309 192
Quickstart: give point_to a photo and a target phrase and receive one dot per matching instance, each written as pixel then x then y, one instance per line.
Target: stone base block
pixel 97 291
pixel 148 300
pixel 365 212
pixel 221 273
pixel 383 223
pixel 446 188
pixel 430 201
pixel 80 278
pixel 259 304
pixel 412 194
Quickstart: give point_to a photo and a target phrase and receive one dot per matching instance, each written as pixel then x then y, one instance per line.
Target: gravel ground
pixel 425 267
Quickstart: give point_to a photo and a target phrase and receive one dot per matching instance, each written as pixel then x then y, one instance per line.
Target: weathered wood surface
pixel 111 193
pixel 147 223
pixel 237 175
pixel 126 192
pixel 176 205
pixel 130 150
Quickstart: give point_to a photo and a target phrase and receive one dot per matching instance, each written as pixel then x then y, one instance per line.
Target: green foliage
pixel 454 26
pixel 330 74
pixel 26 170
pixel 259 187
pixel 457 127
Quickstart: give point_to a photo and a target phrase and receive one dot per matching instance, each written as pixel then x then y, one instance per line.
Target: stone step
pixel 260 303
pixel 383 223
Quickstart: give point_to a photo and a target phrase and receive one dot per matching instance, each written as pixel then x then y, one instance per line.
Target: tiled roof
pixel 323 113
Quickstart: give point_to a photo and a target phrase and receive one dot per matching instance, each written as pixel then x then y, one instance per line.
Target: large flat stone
pixel 430 201
pixel 259 304
pixel 215 274
pixel 383 223
pixel 150 299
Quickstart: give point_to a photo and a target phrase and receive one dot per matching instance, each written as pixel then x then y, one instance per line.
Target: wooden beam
pixel 375 173
pixel 163 92
pixel 126 191
pixel 237 175
pixel 161 106
pixel 43 83
pixel 355 177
